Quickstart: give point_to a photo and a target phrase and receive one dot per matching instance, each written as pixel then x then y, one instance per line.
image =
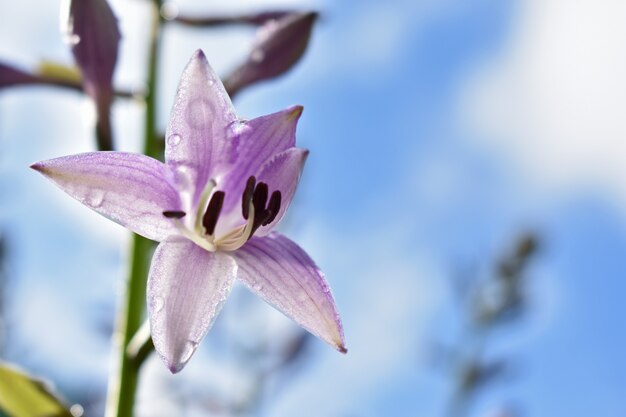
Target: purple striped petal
pixel 280 272
pixel 131 189
pixel 186 289
pixel 259 140
pixel 200 125
pixel 282 173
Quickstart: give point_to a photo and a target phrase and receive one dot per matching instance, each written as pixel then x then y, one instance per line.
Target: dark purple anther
pixel 246 198
pixel 212 214
pixel 174 214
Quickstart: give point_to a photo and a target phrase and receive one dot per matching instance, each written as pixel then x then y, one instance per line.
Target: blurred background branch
pixel 497 300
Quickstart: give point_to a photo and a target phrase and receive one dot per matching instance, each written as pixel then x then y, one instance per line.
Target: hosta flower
pixel 212 205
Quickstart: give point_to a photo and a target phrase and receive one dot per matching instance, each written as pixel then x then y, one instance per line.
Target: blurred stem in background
pixel 499 300
pixel 123 385
pixel 3 298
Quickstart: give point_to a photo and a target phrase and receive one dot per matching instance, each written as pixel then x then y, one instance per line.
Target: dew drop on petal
pixel 157 304
pixel 174 139
pixel 95 198
pixel 257 55
pixel 190 348
pixel 72 39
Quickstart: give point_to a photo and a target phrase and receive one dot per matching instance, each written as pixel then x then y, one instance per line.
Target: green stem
pixel 123 384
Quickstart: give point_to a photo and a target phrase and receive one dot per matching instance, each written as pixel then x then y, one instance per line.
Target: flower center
pixel 255 208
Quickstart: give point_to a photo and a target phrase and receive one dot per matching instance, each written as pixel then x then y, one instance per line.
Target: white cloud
pixel 553 102
pixel 368 41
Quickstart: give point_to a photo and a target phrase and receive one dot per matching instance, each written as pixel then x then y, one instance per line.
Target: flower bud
pixel 279 45
pixel 91 29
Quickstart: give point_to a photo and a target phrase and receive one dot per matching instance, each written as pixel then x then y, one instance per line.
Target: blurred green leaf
pixel 24 396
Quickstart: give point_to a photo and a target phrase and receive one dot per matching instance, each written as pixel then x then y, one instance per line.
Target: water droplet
pixel 77 410
pixel 174 139
pixel 157 304
pixel 211 82
pixel 95 198
pixel 257 55
pixel 169 10
pixel 190 348
pixel 238 126
pixel 72 39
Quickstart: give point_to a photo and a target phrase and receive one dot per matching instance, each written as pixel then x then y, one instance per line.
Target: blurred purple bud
pixel 11 76
pixel 91 29
pixel 278 46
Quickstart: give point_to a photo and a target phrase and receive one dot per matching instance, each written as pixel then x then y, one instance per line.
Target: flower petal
pixel 186 289
pixel 280 272
pixel 130 189
pixel 282 173
pixel 259 139
pixel 200 125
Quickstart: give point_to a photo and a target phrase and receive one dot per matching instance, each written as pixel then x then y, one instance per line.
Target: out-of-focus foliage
pixel 24 396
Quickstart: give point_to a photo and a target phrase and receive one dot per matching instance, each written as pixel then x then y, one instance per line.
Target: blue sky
pixel 437 130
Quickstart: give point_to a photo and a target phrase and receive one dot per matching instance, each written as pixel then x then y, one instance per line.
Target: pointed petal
pixel 186 289
pixel 199 125
pixel 130 189
pixel 259 139
pixel 282 173
pixel 280 272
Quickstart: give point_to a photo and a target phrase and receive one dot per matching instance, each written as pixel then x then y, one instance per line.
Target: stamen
pixel 273 207
pixel 259 199
pixel 234 239
pixel 174 214
pixel 247 196
pixel 212 214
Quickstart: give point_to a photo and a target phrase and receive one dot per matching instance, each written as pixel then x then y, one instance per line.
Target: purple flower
pixel 213 204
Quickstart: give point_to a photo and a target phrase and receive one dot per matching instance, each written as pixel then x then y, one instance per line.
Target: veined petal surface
pixel 282 172
pixel 130 189
pixel 257 141
pixel 280 272
pixel 200 126
pixel 186 289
